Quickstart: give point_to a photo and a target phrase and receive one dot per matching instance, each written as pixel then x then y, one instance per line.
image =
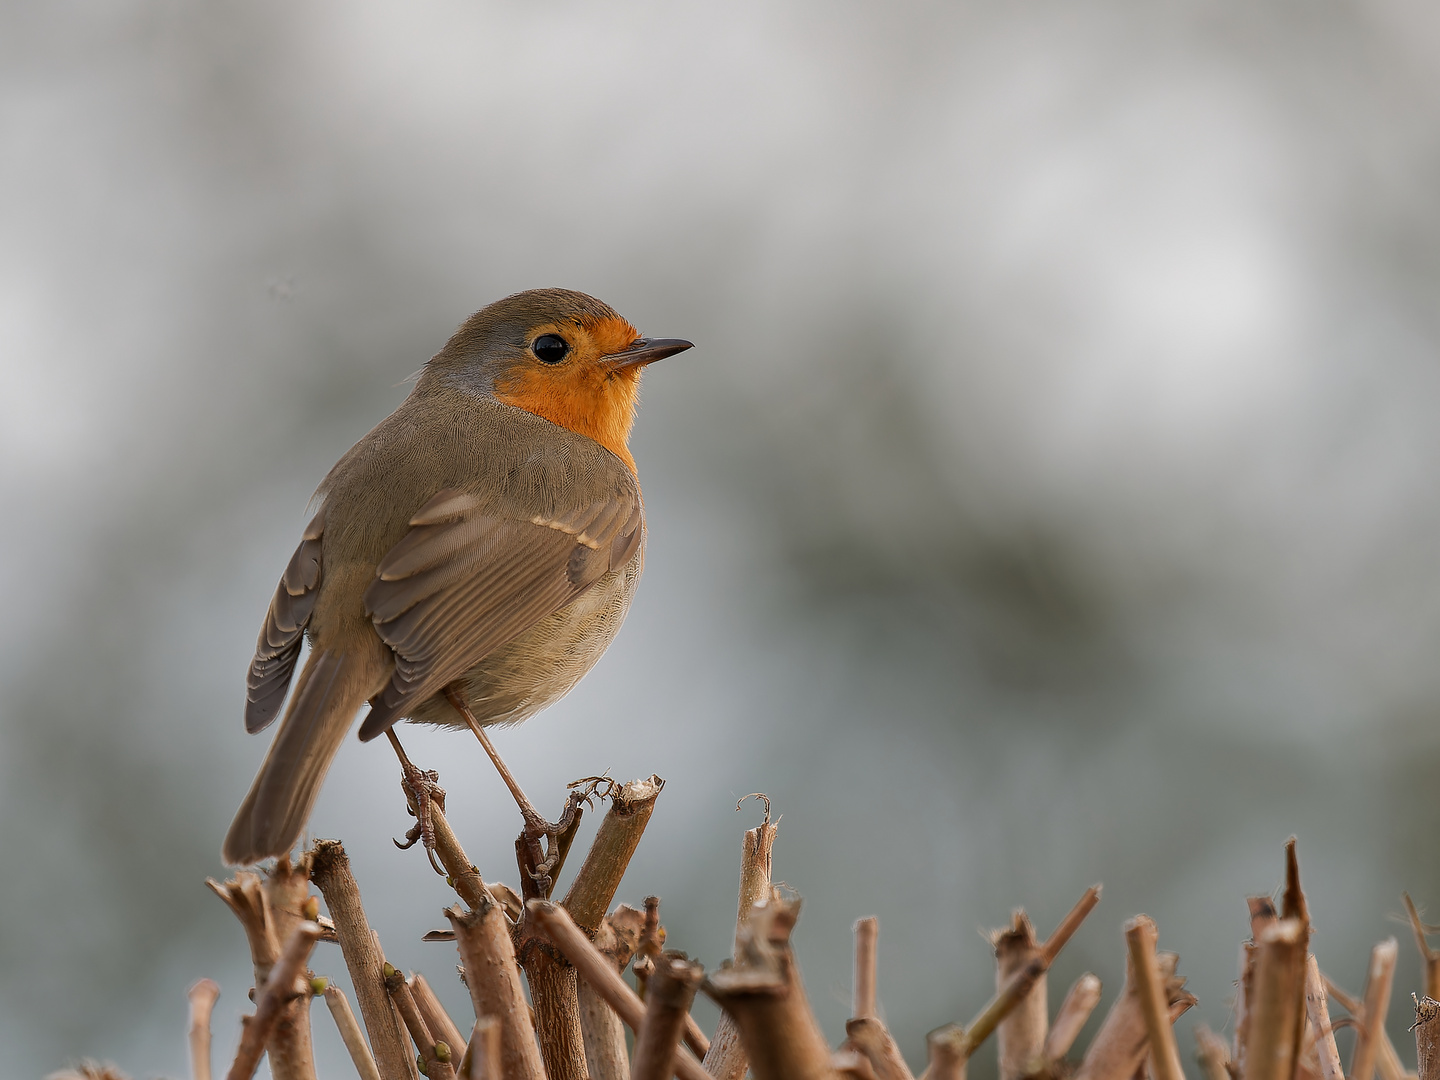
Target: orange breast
pixel 585 394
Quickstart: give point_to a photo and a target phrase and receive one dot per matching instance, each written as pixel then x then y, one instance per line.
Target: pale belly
pixel 541 666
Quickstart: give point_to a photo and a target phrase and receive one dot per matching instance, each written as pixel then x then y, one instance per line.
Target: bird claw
pixel 422 788
pixel 542 863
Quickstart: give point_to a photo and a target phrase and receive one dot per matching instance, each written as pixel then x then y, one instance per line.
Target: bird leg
pixel 538 865
pixel 422 788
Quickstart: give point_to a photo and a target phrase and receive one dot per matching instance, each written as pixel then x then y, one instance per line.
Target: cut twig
pixel 350 1033
pixel 436 1053
pixel 482 1052
pixel 604 1031
pixel 436 1018
pixel 1427 954
pixel 1376 1002
pixel 852 1065
pixel 555 923
pixel 553 986
pixel 593 889
pixel 268 910
pixel 1278 1008
pixel 1021 1035
pixel 493 979
pixel 672 989
pixel 1018 988
pixel 279 991
pixel 1118 1049
pixel 1427 1038
pixel 869 1036
pixel 726 1057
pixel 330 871
pixel 948 1055
pixel 1213 1054
pixel 1074 1011
pixel 1317 1009
pixel 202 1003
pixel 1154 1005
pixel 862 1002
pixel 765 995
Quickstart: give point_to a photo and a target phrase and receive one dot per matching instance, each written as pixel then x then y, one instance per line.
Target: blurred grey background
pixel 1051 497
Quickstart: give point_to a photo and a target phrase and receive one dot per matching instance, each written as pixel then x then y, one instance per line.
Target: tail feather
pixel 273 815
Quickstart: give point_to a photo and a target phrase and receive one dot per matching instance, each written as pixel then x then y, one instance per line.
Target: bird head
pixel 559 354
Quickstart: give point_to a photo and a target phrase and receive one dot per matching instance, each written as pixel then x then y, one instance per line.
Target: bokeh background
pixel 1052 496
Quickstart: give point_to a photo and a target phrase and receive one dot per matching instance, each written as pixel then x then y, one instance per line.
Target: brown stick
pixel 1376 1002
pixel 1150 990
pixel 1427 954
pixel 287 892
pixel 852 1065
pixel 869 1036
pixel 266 911
pixel 726 1058
pixel 862 1002
pixel 1427 1038
pixel 604 1031
pixel 482 1052
pixel 947 1053
pixel 1213 1054
pixel 555 923
pixel 493 979
pixel 436 1018
pixel 202 1003
pixel 765 995
pixel 667 1005
pixel 1021 1035
pixel 279 991
pixel 1278 1007
pixel 350 1033
pixel 1074 1011
pixel 555 996
pixel 553 985
pixel 435 1053
pixel 593 889
pixel 1317 1008
pixel 1016 990
pixel 1118 1050
pixel 330 871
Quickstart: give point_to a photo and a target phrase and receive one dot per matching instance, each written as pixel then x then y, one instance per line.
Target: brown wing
pixel 464 581
pixel 284 629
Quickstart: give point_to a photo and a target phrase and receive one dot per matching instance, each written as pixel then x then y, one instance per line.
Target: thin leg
pixel 527 809
pixel 537 862
pixel 422 787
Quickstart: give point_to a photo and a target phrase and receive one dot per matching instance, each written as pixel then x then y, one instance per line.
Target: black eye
pixel 550 348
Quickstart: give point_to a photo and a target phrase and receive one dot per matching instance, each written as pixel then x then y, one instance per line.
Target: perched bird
pixel 479 548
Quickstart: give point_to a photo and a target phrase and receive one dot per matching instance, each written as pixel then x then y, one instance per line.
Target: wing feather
pixel 465 580
pixel 284 629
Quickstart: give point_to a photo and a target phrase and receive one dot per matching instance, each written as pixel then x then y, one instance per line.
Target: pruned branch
pixel 555 923
pixel 672 989
pixel 493 978
pixel 350 1033
pixel 765 995
pixel 279 991
pixel 202 1003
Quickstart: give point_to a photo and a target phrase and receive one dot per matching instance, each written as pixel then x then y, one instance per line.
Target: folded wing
pixel 464 581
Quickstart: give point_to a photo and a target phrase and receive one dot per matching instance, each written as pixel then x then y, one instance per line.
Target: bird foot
pixel 541 865
pixel 422 789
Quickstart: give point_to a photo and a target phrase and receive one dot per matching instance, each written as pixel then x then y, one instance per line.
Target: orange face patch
pixel 584 393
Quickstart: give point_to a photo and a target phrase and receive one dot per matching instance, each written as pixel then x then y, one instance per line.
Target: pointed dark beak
pixel 648 350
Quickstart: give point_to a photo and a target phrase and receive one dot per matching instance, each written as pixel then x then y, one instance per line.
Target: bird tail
pixel 330 690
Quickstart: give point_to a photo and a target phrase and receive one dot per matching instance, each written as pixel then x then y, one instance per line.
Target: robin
pixel 473 555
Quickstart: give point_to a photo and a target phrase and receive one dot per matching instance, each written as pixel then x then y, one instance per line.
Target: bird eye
pixel 550 348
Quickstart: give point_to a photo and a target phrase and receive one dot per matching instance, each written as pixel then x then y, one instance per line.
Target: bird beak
pixel 648 350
